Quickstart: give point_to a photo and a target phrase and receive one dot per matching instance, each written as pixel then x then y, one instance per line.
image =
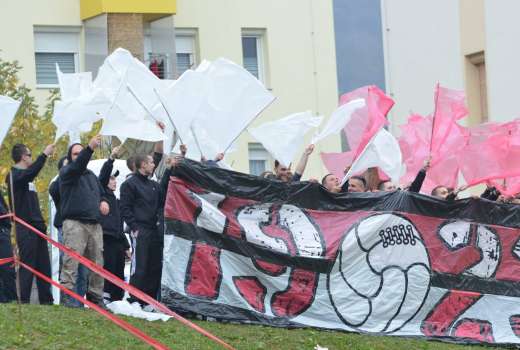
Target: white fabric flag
pixel 8 109
pixel 383 151
pixel 283 138
pixel 182 101
pixel 234 98
pixel 339 118
pixel 129 84
pixel 80 106
pixel 217 101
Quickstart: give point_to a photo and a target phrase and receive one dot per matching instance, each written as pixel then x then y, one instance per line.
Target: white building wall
pixel 422 47
pixel 503 58
pixel 301 59
pixel 17 20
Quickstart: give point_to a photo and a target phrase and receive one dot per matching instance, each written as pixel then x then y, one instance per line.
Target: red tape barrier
pixel 126 326
pixel 6 261
pixel 120 283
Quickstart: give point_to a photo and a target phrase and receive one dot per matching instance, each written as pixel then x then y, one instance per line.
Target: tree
pixel 28 128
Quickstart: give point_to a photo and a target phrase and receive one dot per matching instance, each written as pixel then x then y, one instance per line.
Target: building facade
pixel 408 46
pixel 289 45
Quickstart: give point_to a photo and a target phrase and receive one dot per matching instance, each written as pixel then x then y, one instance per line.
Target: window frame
pixel 259 35
pixel 191 34
pixel 75 30
pixel 258 147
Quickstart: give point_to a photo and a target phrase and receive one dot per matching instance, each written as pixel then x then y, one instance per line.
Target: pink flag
pixel 450 106
pixel 361 128
pixel 491 155
pixel 415 147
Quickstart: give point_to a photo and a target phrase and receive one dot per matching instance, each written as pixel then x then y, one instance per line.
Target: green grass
pixel 55 327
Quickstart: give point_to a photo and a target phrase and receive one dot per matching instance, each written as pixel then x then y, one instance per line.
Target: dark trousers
pixel 114 259
pixel 33 252
pixel 7 274
pixel 146 267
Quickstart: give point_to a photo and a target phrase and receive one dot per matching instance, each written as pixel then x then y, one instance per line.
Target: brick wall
pixel 126 30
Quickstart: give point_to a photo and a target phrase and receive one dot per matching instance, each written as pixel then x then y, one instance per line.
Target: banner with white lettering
pixel 242 248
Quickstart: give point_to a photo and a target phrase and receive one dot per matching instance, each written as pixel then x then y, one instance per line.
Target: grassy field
pixel 55 327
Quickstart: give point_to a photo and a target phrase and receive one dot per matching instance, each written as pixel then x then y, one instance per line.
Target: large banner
pixel 246 249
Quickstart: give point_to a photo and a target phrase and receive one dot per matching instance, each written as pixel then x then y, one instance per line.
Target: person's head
pixel 331 183
pixel 74 151
pixel 21 155
pixel 387 186
pixel 282 172
pixel 440 192
pixel 62 162
pixel 130 163
pixel 357 184
pixel 144 164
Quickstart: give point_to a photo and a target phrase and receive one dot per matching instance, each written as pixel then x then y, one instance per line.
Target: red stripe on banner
pixel 6 261
pixel 128 327
pixel 120 283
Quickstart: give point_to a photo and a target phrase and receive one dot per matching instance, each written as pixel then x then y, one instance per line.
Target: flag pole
pixel 131 90
pixel 168 114
pixel 349 172
pixel 252 120
pixel 14 244
pixel 433 117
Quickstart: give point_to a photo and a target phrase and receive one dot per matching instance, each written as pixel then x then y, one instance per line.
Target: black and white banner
pixel 242 248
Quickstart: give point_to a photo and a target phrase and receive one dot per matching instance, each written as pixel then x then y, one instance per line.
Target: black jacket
pixel 80 190
pixel 418 181
pixel 140 202
pixel 54 191
pixel 112 223
pixel 26 203
pixel 4 223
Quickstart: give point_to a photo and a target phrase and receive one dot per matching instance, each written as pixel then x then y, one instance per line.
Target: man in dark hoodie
pixel 33 249
pixel 81 207
pixel 115 244
pixel 7 275
pixel 140 208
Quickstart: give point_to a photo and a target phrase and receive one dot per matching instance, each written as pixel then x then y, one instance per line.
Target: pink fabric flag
pixel 491 155
pixel 363 125
pixel 415 147
pixel 450 106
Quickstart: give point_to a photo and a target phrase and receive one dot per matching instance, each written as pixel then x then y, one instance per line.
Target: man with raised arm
pixel 82 205
pixel 32 248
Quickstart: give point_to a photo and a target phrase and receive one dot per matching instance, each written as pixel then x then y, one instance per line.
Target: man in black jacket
pixel 81 205
pixel 7 275
pixel 115 244
pixel 33 249
pixel 140 208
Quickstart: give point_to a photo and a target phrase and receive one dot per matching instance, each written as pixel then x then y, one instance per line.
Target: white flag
pixel 8 109
pixel 217 101
pixel 130 85
pixel 382 151
pixel 282 138
pixel 80 106
pixel 339 118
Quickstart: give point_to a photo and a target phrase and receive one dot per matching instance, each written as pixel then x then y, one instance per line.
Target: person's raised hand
pixel 115 152
pixel 309 149
pixel 95 142
pixel 219 157
pixel 49 150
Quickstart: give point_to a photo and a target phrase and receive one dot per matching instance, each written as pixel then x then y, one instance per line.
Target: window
pixel 253 54
pixel 185 43
pixel 258 159
pixel 55 45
